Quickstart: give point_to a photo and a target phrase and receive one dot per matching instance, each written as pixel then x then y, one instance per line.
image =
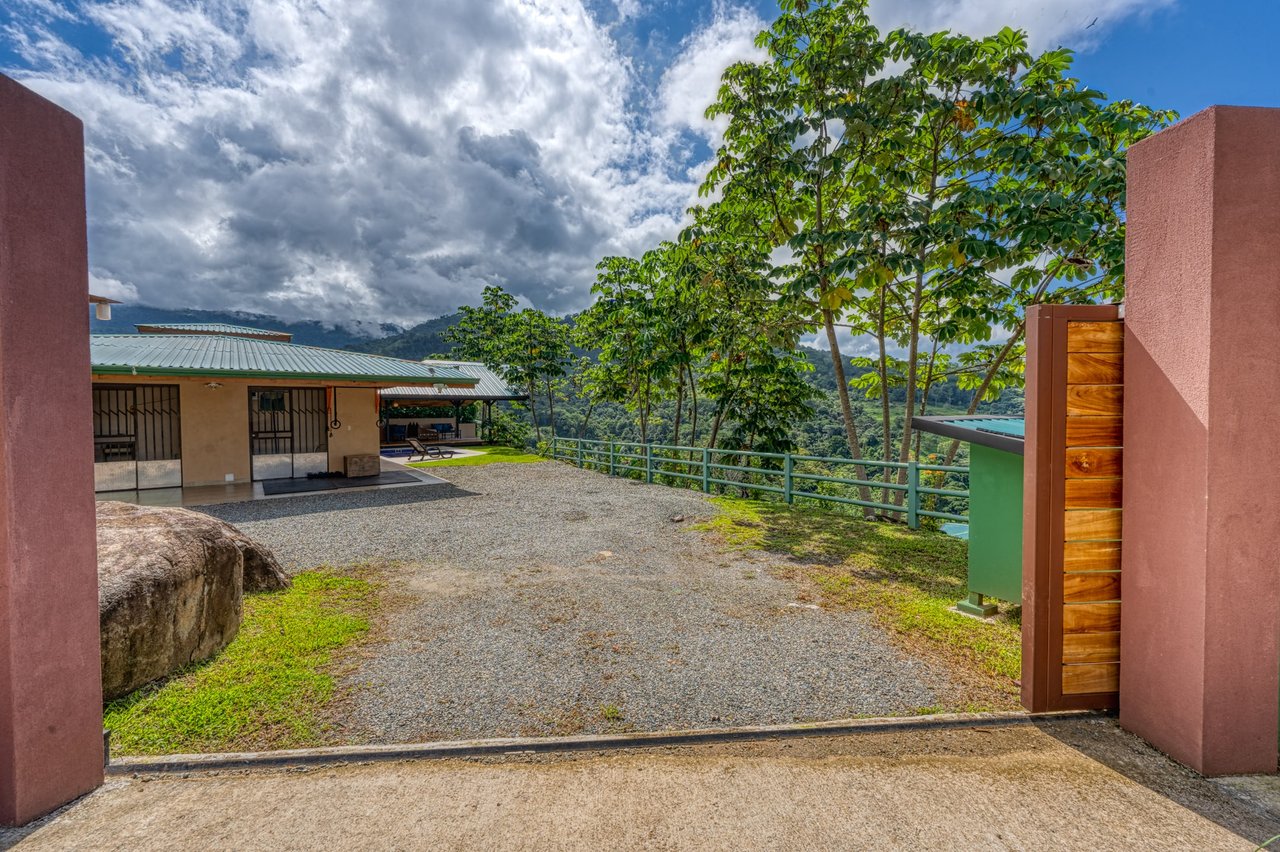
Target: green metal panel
pixel 995 523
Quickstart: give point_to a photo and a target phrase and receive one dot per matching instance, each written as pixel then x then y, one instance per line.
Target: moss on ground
pixel 909 580
pixel 265 690
pixel 508 455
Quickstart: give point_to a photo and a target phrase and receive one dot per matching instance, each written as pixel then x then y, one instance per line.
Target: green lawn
pixel 908 580
pixel 263 691
pixel 491 455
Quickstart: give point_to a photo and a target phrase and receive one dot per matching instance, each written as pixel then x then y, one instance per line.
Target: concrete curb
pixel 286 759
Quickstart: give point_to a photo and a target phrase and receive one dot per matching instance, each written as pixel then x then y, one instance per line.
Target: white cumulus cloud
pixel 383 160
pixel 1049 23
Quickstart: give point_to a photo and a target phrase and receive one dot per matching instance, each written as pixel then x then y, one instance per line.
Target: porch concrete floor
pixel 243 492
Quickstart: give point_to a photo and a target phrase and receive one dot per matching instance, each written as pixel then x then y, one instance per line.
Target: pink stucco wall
pixel 50 681
pixel 1200 644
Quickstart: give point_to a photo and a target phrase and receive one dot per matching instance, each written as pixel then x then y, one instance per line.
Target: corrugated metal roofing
pixel 225 355
pixel 489 385
pixel 213 328
pixel 1013 426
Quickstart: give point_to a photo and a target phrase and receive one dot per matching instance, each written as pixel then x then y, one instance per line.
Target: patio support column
pixel 1200 642
pixel 50 676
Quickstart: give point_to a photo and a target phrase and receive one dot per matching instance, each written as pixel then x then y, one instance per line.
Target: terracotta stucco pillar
pixel 50 680
pixel 1200 641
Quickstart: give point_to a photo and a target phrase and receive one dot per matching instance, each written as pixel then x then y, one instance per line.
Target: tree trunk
pixel 675 429
pixel 533 413
pixel 715 428
pixel 846 405
pixel 886 419
pixel 917 299
pixel 644 412
pixel 693 408
pixel 996 364
pixel 913 354
pixel 551 407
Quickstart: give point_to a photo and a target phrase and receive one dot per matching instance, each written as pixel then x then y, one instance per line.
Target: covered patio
pixel 441 413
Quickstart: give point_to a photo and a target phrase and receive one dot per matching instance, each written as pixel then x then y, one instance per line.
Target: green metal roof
pixel 225 355
pixel 1015 426
pixel 212 328
pixel 489 385
pixel 1001 433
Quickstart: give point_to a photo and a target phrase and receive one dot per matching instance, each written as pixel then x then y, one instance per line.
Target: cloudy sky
pixel 385 159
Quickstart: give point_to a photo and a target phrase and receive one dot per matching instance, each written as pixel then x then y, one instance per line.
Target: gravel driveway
pixel 541 599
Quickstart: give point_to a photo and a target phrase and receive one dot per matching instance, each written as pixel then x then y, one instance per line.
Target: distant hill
pixel 421 341
pixel 307 332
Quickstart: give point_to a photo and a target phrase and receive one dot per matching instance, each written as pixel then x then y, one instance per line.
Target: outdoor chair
pixel 423 452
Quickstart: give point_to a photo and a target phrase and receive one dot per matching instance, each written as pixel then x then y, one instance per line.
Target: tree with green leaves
pixel 804 128
pixel 624 326
pixel 528 348
pixel 1006 189
pixel 927 189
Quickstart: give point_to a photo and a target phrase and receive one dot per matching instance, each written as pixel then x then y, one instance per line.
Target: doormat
pixel 271 487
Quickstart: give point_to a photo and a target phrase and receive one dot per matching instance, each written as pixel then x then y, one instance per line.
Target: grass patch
pixel 509 455
pixel 908 579
pixel 266 689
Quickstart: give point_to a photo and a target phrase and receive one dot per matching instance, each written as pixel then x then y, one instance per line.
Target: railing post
pixel 913 495
pixel 611 454
pixel 706 469
pixel 579 452
pixel 554 454
pixel 788 468
pixel 648 462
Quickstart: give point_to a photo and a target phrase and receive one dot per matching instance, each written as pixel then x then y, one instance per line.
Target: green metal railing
pixel 788 475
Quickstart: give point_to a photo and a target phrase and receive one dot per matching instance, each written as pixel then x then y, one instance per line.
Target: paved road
pixel 1065 786
pixel 539 599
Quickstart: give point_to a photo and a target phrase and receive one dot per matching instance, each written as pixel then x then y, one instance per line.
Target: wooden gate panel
pixel 1073 523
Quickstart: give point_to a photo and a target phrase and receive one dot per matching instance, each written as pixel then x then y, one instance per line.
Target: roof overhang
pixel 955 427
pixel 406 392
pixel 178 372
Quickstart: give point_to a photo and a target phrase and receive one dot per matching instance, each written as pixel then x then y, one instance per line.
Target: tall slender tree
pixel 528 348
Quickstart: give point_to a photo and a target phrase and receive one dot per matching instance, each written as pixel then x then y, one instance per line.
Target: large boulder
pixel 171 586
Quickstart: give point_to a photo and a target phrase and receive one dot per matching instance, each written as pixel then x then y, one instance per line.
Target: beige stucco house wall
pixel 214 423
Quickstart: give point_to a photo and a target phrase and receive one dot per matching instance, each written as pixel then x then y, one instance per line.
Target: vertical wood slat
pixel 1091 678
pixel 1096 431
pixel 1093 493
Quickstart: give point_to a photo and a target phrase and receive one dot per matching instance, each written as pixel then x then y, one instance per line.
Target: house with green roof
pixel 195 405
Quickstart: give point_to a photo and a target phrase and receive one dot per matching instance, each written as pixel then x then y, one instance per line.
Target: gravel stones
pixel 543 599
